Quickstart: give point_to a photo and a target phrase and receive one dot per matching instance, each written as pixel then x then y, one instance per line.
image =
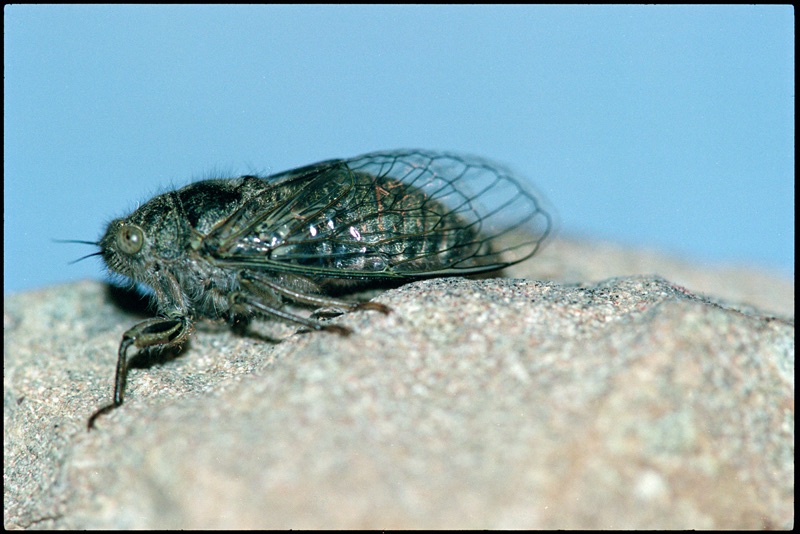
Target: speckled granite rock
pixel 508 403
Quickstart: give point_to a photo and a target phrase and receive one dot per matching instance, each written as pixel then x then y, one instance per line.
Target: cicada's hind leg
pixel 317 300
pixel 257 287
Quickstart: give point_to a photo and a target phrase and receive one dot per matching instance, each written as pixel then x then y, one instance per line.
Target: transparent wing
pixel 397 214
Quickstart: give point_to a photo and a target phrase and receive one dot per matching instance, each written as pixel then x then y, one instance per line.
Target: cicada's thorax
pixel 200 208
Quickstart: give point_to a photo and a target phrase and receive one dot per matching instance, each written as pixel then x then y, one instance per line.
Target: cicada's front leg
pixel 158 332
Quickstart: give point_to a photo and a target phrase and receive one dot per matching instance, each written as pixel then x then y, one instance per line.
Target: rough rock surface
pixel 629 402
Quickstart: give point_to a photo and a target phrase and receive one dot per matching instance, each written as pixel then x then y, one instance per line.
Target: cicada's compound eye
pixel 130 238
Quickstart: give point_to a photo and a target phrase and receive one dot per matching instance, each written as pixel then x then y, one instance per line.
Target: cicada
pixel 242 247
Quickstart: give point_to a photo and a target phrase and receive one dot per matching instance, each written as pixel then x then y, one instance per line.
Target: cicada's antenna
pixel 95 243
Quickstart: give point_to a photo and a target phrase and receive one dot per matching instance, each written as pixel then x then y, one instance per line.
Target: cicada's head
pixel 140 245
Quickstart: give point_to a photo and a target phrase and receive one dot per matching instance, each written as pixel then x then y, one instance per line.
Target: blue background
pixel 669 127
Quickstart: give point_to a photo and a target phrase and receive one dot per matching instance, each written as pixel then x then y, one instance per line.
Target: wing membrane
pixel 399 214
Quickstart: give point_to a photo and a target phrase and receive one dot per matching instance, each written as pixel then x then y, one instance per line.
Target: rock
pixel 631 402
